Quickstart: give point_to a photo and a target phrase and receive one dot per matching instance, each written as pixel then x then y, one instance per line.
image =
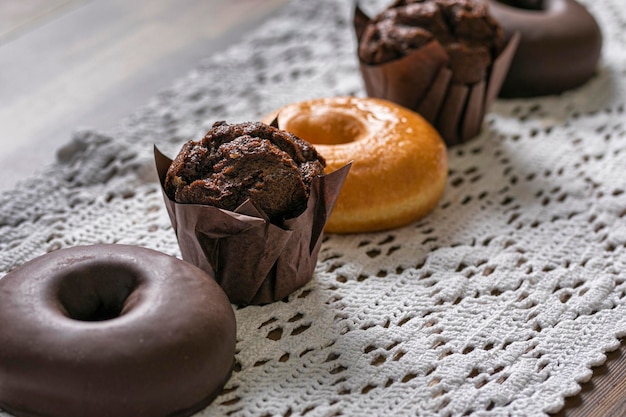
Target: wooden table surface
pixel 66 64
pixel 70 64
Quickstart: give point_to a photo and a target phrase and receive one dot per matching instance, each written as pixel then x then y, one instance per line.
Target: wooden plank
pixel 17 16
pixel 95 64
pixel 603 395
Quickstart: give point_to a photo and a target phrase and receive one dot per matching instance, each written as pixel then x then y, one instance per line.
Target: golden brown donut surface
pixel 399 161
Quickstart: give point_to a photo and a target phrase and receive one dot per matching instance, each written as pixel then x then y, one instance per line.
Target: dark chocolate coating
pixel 234 163
pixel 525 4
pixel 559 49
pixel 112 330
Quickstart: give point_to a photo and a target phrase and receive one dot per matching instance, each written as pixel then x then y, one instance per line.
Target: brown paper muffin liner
pixel 252 259
pixel 422 81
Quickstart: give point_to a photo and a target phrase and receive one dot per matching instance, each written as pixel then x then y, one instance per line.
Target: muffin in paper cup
pixel 254 259
pixel 426 74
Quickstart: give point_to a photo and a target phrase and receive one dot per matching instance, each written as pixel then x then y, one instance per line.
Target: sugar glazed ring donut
pixel 559 49
pixel 112 330
pixel 399 161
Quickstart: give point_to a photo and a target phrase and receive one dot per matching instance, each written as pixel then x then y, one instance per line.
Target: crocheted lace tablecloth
pixel 496 304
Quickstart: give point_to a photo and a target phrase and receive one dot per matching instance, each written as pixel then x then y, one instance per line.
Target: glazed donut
pixel 112 330
pixel 399 161
pixel 559 49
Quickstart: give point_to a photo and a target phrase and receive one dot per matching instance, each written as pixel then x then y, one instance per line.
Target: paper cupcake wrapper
pixel 252 259
pixel 422 81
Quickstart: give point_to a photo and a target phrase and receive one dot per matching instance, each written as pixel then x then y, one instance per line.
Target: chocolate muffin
pixel 234 163
pixel 464 28
pixel 444 59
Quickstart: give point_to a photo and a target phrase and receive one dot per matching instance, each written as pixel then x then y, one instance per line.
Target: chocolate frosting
pixel 112 330
pixel 525 4
pixel 559 48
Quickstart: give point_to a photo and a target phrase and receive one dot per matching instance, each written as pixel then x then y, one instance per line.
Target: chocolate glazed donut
pixel 559 48
pixel 112 330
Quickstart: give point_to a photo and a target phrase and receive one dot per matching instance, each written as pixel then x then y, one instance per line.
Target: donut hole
pixel 525 4
pixel 327 128
pixel 96 292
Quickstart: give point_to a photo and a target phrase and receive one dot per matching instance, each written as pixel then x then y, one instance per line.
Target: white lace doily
pixel 496 304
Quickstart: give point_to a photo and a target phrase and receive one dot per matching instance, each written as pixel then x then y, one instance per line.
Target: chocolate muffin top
pixel 464 28
pixel 232 163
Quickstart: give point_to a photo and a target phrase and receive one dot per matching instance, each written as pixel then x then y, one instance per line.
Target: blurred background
pixel 72 64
